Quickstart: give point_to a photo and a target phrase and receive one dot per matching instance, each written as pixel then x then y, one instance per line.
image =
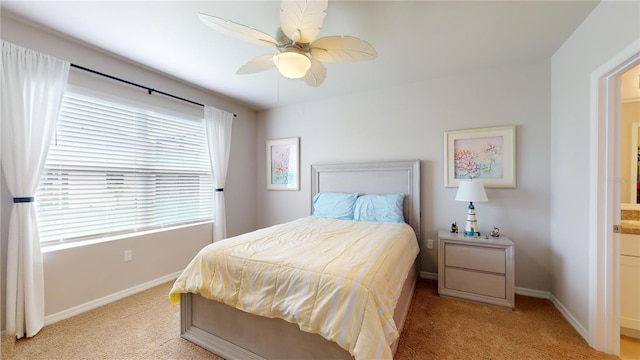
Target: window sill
pixel 79 243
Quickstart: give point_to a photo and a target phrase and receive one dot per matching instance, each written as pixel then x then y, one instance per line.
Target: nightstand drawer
pixel 474 257
pixel 475 282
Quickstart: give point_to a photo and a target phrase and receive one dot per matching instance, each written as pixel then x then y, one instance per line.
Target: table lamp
pixel 471 191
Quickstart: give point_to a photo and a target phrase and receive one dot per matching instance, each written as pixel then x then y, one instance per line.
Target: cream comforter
pixel 337 278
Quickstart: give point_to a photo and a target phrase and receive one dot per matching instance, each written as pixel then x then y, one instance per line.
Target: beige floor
pixel 629 348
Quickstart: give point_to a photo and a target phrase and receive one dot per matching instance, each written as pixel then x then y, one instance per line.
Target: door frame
pixel 604 204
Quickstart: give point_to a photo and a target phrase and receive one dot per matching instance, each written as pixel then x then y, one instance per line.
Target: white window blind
pixel 113 168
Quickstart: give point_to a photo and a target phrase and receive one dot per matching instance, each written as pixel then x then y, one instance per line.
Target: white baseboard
pixel 518 290
pixel 533 293
pixel 428 275
pixel 76 310
pixel 570 318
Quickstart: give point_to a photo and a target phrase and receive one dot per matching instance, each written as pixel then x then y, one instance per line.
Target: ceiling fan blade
pixel 236 30
pixel 301 20
pixel 342 49
pixel 316 74
pixel 261 63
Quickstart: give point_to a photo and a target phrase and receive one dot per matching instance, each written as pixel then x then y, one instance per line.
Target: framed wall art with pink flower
pixel 487 155
pixel 283 164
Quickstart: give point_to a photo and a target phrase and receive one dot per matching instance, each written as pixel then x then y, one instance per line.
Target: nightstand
pixel 476 269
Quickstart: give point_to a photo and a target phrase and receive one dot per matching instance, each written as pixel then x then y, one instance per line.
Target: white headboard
pixel 387 177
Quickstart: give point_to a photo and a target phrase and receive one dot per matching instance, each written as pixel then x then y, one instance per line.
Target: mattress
pixel 340 279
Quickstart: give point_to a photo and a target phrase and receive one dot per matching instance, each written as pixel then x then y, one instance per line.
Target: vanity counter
pixel 630 227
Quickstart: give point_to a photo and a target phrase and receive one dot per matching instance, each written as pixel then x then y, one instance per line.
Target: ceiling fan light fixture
pixel 300 54
pixel 292 64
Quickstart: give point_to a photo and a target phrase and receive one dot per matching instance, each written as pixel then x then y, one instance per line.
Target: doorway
pixel 604 271
pixel 629 239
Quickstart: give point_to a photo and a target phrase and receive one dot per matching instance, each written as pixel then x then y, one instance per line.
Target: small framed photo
pixel 487 155
pixel 283 164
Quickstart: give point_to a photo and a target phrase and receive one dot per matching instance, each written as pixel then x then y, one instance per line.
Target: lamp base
pixel 471 227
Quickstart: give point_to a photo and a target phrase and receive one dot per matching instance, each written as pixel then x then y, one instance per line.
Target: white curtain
pixel 218 125
pixel 32 88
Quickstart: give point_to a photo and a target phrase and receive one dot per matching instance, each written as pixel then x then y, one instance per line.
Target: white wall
pixel 610 28
pixel 408 123
pixel 77 276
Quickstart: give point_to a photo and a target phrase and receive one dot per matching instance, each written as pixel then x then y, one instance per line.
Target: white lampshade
pixel 292 64
pixel 471 191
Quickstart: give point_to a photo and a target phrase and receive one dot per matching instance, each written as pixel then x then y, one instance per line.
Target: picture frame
pixel 283 164
pixel 487 155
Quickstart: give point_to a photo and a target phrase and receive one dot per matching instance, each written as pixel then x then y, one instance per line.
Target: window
pixel 114 168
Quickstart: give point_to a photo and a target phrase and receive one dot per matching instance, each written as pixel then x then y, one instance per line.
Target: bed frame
pixel 235 334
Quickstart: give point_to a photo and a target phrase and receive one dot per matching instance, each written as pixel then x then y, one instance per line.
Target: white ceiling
pixel 415 40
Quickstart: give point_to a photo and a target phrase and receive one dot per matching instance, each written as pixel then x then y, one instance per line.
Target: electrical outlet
pixel 429 243
pixel 128 255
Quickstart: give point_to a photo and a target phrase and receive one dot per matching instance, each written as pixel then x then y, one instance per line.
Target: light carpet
pixel 147 326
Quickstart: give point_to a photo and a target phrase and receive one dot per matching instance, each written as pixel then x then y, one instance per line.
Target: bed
pixel 236 334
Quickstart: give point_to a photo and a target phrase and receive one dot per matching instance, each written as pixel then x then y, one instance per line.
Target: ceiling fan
pixel 298 54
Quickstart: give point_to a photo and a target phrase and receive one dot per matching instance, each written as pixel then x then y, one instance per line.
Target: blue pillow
pixel 334 205
pixel 388 208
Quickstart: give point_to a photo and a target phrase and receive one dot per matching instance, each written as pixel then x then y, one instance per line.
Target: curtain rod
pixel 149 90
